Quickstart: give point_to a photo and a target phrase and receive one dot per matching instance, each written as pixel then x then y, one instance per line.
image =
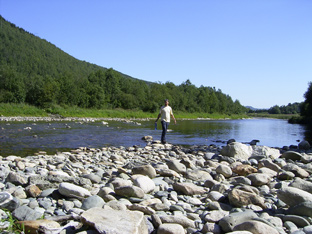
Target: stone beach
pixel 160 188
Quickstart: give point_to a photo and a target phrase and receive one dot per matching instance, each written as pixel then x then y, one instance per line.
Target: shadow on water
pixel 308 133
pixel 27 138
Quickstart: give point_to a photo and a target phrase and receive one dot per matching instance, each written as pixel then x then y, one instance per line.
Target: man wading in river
pixel 165 113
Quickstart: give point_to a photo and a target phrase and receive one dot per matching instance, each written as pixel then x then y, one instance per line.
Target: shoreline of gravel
pixel 202 189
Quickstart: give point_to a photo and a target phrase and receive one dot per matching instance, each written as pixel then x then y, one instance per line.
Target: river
pixel 27 138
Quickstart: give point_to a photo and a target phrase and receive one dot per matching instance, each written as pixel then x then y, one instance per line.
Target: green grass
pixel 24 110
pixel 8 109
pixel 185 115
pixel 274 116
pixel 14 226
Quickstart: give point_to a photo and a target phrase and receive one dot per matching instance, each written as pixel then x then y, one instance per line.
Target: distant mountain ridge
pixel 252 108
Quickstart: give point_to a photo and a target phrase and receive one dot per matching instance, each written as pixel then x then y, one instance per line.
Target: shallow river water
pixel 27 138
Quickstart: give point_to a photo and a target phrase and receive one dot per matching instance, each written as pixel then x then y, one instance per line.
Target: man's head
pixel 166 102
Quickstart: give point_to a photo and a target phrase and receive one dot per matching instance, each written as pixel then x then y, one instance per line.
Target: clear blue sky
pixel 258 52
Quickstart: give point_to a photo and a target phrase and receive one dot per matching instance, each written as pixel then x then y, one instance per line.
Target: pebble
pixel 161 189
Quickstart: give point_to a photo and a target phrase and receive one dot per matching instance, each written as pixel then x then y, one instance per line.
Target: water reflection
pixel 270 132
pixel 26 138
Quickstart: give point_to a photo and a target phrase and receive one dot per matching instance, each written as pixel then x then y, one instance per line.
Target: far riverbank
pixel 23 110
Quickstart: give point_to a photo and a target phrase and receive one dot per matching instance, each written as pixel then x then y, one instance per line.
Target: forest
pixel 36 72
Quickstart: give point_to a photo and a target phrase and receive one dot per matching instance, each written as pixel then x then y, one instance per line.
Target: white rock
pixel 144 182
pixel 115 221
pixel 71 190
pixel 237 150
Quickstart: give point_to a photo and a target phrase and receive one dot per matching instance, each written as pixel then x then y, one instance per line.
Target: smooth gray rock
pixel 285 175
pixel 170 228
pixel 17 179
pixel 293 196
pixel 308 229
pixel 258 179
pixel 255 227
pixel 298 171
pixel 291 155
pixel 297 220
pixel 225 170
pixel 302 184
pixel 212 228
pixel 269 164
pixel 291 226
pixel 177 166
pixel 71 190
pixel 92 201
pixel 93 178
pixel 47 192
pixel 179 219
pixel 215 216
pixel 130 191
pixel 229 222
pixel 25 213
pixel 240 180
pixel 302 209
pixel 188 188
pixel 147 170
pixel 198 175
pixel 45 202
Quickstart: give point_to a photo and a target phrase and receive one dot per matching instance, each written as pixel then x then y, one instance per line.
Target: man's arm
pixel 158 117
pixel 173 118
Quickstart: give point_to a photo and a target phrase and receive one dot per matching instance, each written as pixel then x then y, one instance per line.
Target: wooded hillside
pixel 36 72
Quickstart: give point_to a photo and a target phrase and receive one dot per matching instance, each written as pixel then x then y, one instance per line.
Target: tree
pixel 12 88
pixel 306 110
pixel 274 110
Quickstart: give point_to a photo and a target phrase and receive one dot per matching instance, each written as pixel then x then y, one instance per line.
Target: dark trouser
pixel 165 126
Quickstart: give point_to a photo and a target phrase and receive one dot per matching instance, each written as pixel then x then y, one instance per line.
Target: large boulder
pixel 115 221
pixel 242 151
pixel 268 152
pixel 237 150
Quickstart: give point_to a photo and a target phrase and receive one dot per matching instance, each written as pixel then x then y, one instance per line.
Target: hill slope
pixel 36 72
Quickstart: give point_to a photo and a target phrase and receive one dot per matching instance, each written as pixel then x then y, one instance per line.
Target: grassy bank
pixel 275 116
pixel 25 110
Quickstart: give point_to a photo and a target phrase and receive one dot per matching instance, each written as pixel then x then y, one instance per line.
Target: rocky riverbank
pixel 238 188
